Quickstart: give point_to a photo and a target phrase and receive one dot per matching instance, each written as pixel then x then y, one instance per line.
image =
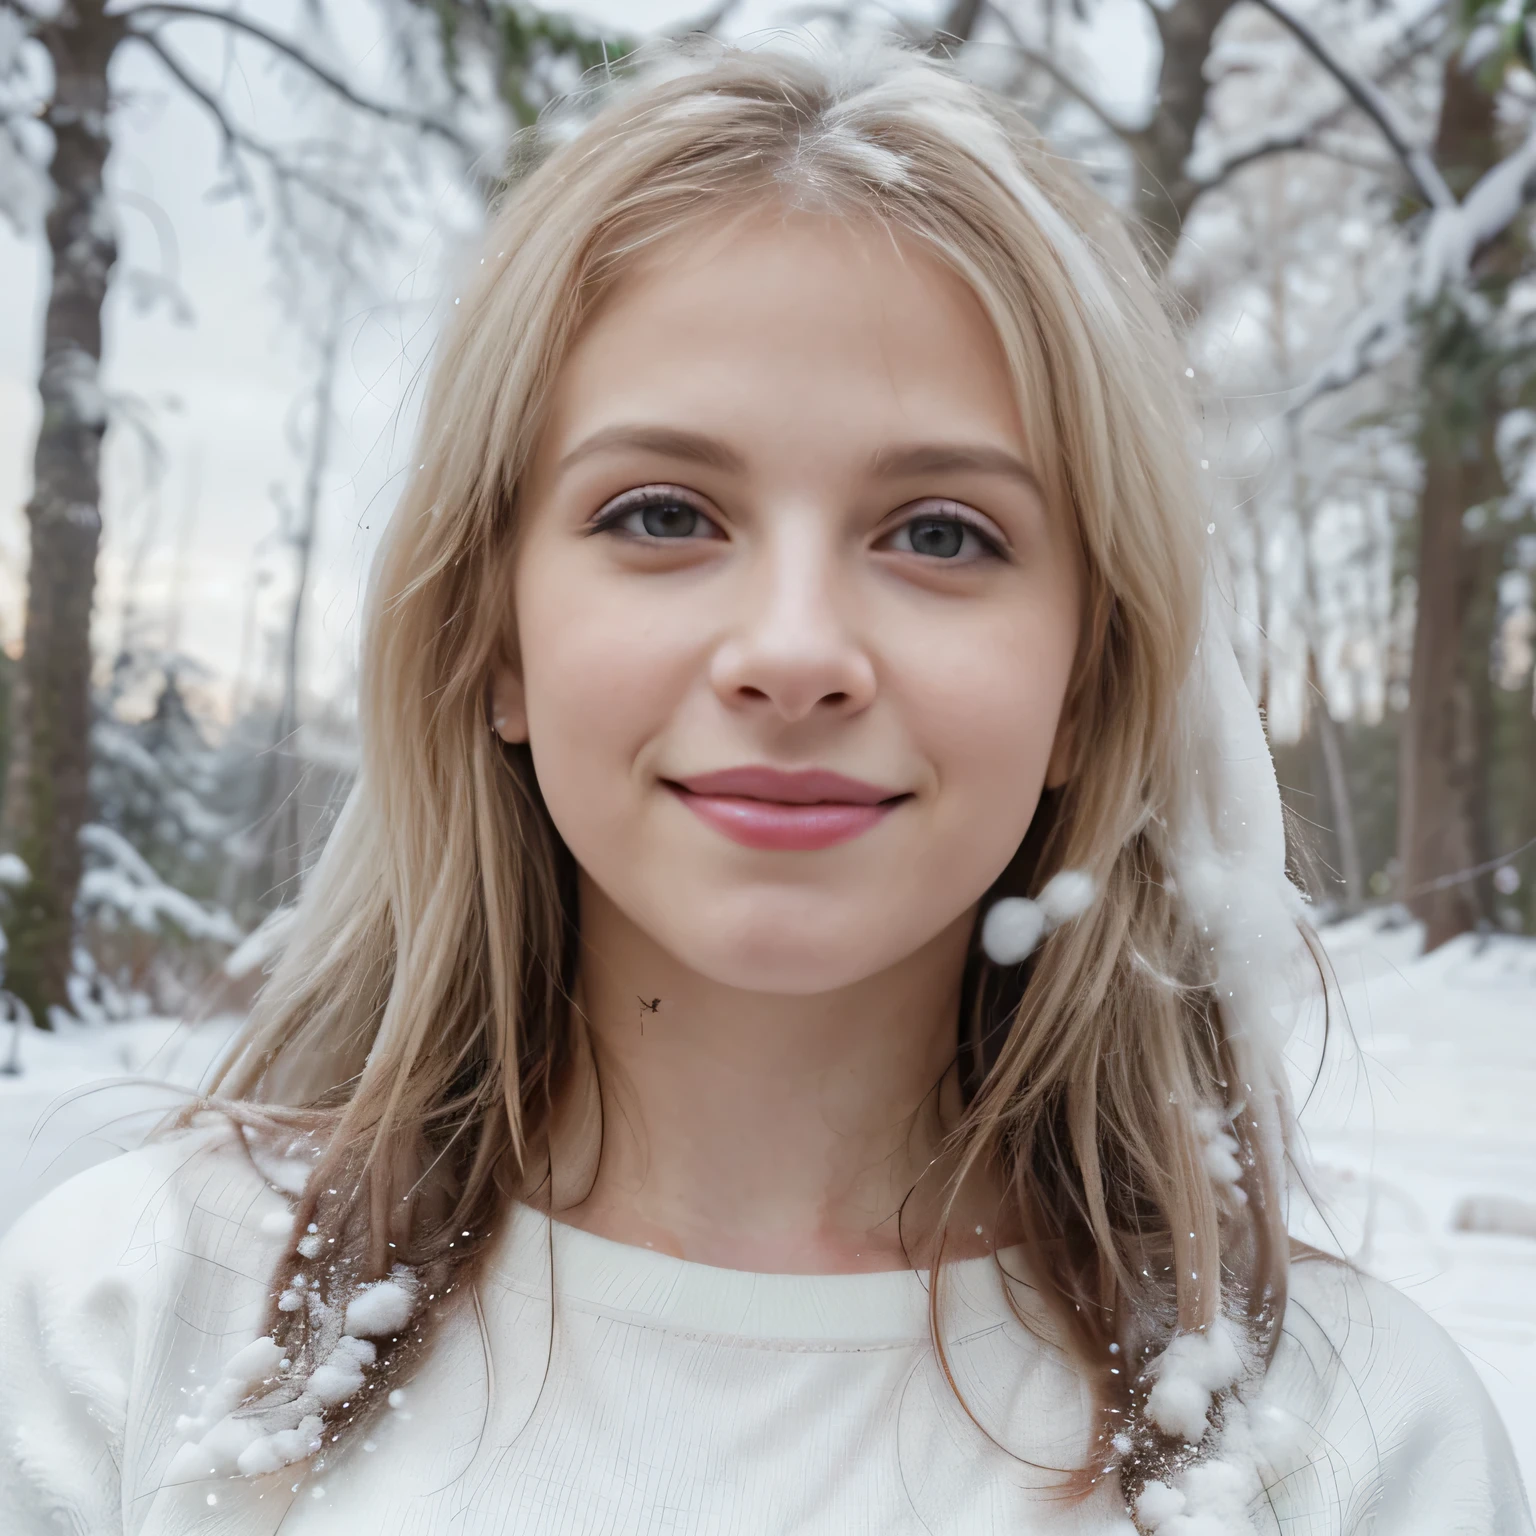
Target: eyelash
pixel 953 512
pixel 609 517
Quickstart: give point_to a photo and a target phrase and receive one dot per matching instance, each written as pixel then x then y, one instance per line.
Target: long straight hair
pixel 417 1031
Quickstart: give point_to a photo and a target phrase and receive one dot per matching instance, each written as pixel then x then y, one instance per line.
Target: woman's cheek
pixel 985 699
pixel 603 674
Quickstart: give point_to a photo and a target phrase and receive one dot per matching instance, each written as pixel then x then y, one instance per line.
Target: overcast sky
pixel 224 391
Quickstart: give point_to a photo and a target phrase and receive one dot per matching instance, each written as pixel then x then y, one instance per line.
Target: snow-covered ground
pixel 1421 1129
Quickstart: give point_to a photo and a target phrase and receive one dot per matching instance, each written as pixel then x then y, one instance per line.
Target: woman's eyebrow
pixel 894 463
pixel 942 458
pixel 673 442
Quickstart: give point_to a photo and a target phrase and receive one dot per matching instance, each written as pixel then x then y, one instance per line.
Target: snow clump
pixel 1221 1151
pixel 1015 925
pixel 383 1307
pixel 214 1439
pixel 342 1372
pixel 1193 1368
pixel 1216 1495
pixel 223 1439
pixel 1066 895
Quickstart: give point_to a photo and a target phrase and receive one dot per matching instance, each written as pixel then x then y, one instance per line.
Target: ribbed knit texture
pixel 649 1395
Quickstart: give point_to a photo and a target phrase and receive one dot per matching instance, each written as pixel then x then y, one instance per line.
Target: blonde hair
pixel 418 1028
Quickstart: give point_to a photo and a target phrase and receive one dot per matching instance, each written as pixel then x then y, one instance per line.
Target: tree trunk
pixel 283 864
pixel 47 794
pixel 1164 191
pixel 1443 766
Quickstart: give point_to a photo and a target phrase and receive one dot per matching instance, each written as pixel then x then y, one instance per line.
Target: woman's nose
pixel 795 650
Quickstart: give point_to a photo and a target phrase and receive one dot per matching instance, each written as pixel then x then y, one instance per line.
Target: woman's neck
pixel 775 1133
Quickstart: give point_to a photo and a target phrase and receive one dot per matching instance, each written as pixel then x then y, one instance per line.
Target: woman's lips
pixel 774 808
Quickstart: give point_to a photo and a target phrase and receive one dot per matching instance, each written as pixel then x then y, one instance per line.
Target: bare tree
pixel 283 830
pixel 47 794
pixel 57 61
pixel 47 799
pixel 1460 195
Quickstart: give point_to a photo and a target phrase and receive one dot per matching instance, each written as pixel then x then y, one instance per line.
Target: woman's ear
pixel 509 713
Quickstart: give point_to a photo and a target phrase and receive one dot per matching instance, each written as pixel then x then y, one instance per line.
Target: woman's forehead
pixel 789 323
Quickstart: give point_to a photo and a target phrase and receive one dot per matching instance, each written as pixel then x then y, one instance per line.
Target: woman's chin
pixel 798 958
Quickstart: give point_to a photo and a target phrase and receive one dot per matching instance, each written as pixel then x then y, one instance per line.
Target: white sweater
pixel 669 1396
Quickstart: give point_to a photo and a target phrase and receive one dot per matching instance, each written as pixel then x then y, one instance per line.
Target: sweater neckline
pixel 891 1307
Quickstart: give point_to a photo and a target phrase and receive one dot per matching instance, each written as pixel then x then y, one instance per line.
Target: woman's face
pixel 794 619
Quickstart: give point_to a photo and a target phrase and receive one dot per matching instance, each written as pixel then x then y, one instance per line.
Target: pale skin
pixel 844 561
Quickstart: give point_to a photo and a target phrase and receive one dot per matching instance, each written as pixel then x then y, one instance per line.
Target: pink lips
pixel 771 808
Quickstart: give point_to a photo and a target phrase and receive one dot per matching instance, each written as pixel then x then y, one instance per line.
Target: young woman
pixel 785 1034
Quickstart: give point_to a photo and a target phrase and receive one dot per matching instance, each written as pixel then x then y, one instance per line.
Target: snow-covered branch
pixel 1456 234
pixel 1374 103
pixel 236 140
pixel 1304 137
pixel 1444 256
pixel 326 77
pixel 123 884
pixel 1281 144
pixel 1048 66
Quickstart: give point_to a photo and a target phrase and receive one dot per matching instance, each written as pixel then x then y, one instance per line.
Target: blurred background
pixel 228 236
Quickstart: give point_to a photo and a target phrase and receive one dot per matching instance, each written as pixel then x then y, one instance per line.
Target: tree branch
pixel 333 82
pixel 237 140
pixel 1304 140
pixel 1421 169
pixel 1292 143
pixel 1047 65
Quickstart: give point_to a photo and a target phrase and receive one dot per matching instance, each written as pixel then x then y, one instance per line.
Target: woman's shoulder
pixel 1379 1410
pixel 118 1287
pixel 187 1222
pixel 1360 1323
pixel 194 1190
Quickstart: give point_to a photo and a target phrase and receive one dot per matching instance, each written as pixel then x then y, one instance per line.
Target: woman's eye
pixel 942 538
pixel 655 517
pixel 668 520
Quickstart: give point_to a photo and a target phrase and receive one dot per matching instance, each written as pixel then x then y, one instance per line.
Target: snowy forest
pixel 1340 193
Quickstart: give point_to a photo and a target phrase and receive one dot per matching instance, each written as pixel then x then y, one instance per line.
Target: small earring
pixel 1014 926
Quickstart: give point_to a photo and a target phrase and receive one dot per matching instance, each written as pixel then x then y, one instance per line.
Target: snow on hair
pixel 416 1050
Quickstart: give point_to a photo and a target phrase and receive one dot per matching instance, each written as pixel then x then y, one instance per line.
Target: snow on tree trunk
pixel 1443 768
pixel 47 799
